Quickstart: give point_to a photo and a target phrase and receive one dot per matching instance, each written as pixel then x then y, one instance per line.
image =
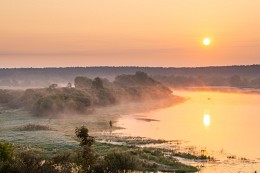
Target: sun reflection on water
pixel 206 120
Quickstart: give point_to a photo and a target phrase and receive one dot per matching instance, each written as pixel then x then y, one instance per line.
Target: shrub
pixel 121 162
pixel 6 151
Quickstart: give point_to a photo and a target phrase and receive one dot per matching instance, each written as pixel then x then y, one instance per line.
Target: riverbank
pixel 52 136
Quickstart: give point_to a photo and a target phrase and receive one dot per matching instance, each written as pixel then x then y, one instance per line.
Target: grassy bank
pixel 52 138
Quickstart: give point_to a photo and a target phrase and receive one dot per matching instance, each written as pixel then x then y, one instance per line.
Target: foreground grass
pixel 147 159
pixel 151 159
pixel 47 140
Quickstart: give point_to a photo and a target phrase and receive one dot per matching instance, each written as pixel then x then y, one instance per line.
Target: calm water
pixel 225 123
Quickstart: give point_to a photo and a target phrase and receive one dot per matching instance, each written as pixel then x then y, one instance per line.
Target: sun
pixel 206 41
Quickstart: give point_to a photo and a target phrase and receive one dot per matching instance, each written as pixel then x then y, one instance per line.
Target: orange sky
pixel 40 33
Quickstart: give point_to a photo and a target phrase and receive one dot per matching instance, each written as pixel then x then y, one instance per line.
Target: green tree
pixel 83 136
pixel 86 155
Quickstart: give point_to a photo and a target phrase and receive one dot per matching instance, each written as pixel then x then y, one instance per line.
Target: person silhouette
pixel 110 123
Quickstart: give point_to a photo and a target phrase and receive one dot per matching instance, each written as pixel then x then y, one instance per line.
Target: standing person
pixel 110 124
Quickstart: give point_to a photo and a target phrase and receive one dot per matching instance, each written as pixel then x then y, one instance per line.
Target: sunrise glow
pixel 128 33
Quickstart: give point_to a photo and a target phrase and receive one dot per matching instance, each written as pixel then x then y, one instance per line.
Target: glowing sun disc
pixel 206 41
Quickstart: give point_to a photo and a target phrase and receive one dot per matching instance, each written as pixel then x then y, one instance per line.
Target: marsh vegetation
pixel 90 156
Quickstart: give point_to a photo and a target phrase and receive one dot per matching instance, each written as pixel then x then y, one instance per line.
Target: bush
pixel 121 162
pixel 6 151
pixel 32 162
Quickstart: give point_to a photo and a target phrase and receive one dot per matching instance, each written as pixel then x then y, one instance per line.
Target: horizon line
pixel 102 66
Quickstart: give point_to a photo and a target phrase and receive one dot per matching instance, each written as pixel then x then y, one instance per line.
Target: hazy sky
pixel 40 33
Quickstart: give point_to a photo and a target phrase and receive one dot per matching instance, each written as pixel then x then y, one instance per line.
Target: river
pixel 225 124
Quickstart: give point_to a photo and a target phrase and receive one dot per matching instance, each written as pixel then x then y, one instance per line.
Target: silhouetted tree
pixel 82 82
pixel 53 86
pixel 138 79
pixel 69 85
pixel 83 136
pixel 87 157
pixel 97 83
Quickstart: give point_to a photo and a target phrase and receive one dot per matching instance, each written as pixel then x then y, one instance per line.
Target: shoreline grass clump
pixel 33 127
pixel 193 157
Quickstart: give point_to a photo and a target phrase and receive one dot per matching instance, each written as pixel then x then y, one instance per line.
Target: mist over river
pixel 225 124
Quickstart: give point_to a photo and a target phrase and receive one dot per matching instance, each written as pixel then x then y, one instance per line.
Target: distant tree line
pixel 214 81
pixel 39 77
